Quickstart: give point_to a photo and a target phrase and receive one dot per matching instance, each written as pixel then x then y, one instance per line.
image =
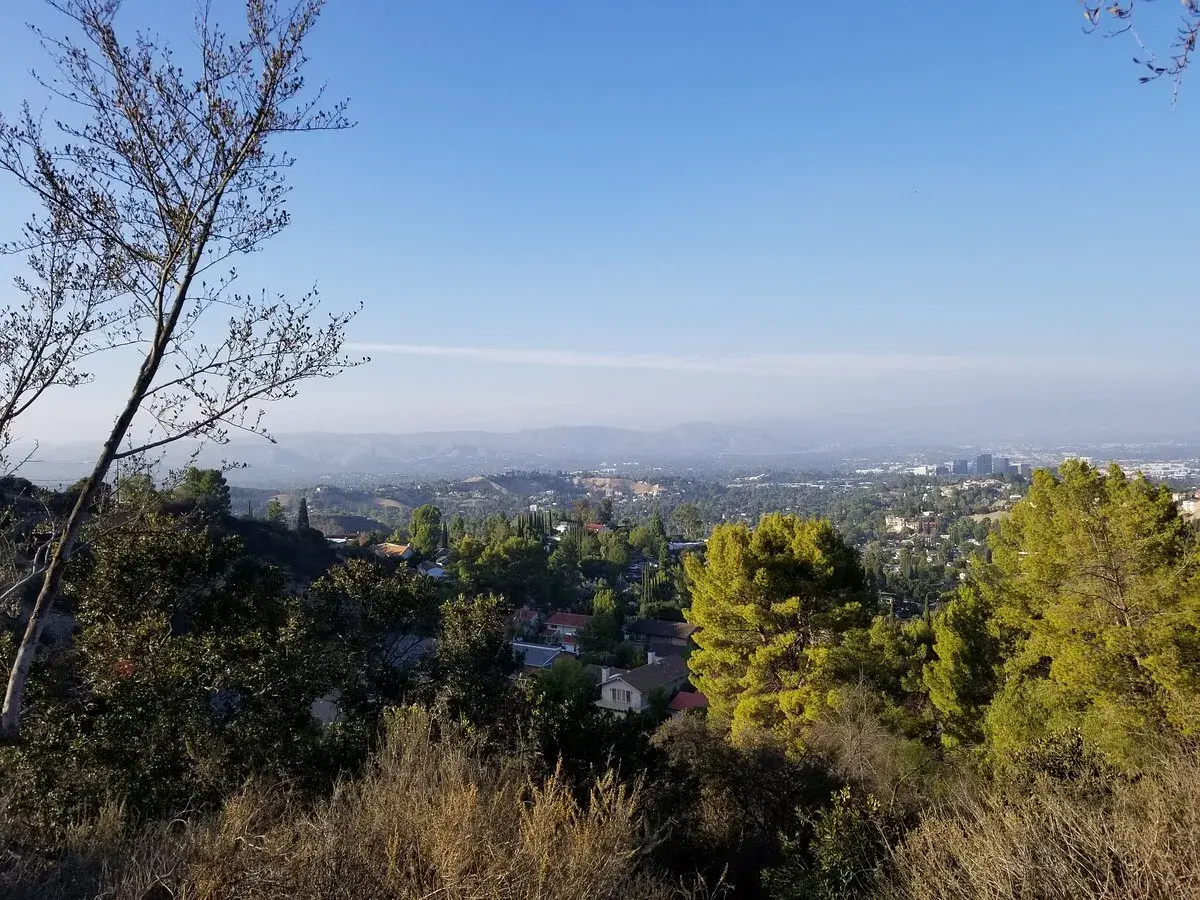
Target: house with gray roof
pixel 660 632
pixel 536 656
pixel 631 691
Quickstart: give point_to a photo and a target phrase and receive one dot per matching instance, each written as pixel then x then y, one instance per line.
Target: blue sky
pixel 647 212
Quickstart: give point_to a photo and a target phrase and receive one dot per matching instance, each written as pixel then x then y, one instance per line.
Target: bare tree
pixel 62 318
pixel 1125 14
pixel 159 180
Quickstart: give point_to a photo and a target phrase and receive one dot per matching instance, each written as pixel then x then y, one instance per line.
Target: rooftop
pixel 392 551
pixel 536 655
pixel 659 628
pixel 659 674
pixel 687 700
pixel 569 620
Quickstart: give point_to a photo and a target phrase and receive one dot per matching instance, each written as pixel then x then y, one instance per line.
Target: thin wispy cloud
pixel 798 365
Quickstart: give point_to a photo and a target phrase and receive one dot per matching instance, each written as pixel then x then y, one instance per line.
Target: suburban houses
pixel 540 637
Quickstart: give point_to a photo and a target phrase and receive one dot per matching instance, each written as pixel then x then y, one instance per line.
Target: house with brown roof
pixel 564 628
pixel 660 633
pixel 631 691
pixel 395 552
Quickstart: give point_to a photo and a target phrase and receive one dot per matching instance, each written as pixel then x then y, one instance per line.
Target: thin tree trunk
pixel 10 719
pixel 18 676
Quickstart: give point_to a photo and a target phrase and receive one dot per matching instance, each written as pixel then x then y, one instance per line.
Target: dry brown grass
pixel 1140 842
pixel 433 819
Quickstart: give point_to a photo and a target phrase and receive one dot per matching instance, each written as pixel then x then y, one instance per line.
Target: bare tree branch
pixel 1125 14
pixel 157 178
pixel 67 315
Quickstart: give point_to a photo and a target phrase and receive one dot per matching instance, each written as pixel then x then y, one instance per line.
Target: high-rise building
pixel 1025 470
pixel 961 467
pixel 1000 465
pixel 983 464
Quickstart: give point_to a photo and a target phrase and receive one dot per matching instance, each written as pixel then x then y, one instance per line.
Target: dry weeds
pixel 1142 842
pixel 432 819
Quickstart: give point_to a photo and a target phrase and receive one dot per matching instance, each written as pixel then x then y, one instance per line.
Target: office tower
pixel 961 467
pixel 983 464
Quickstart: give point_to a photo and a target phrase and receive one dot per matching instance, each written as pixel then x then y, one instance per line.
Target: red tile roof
pixel 570 620
pixel 684 700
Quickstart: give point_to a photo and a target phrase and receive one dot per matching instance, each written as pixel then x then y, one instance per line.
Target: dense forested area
pixel 1035 733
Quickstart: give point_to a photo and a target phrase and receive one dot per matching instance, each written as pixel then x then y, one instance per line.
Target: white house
pixel 631 691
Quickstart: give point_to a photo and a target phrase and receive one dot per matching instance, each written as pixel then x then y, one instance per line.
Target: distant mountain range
pixel 306 458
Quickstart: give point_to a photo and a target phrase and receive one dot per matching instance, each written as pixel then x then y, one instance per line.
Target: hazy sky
pixel 639 213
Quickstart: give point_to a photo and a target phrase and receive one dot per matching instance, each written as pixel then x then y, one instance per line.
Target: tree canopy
pixel 208 489
pixel 771 603
pixel 1087 619
pixel 425 528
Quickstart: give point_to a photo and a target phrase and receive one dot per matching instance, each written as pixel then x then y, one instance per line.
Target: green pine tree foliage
pixel 425 528
pixel 474 661
pixel 458 530
pixel 1094 583
pixel 302 515
pixel 772 604
pixel 208 489
pixel 964 675
pixel 656 524
pixel 275 514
